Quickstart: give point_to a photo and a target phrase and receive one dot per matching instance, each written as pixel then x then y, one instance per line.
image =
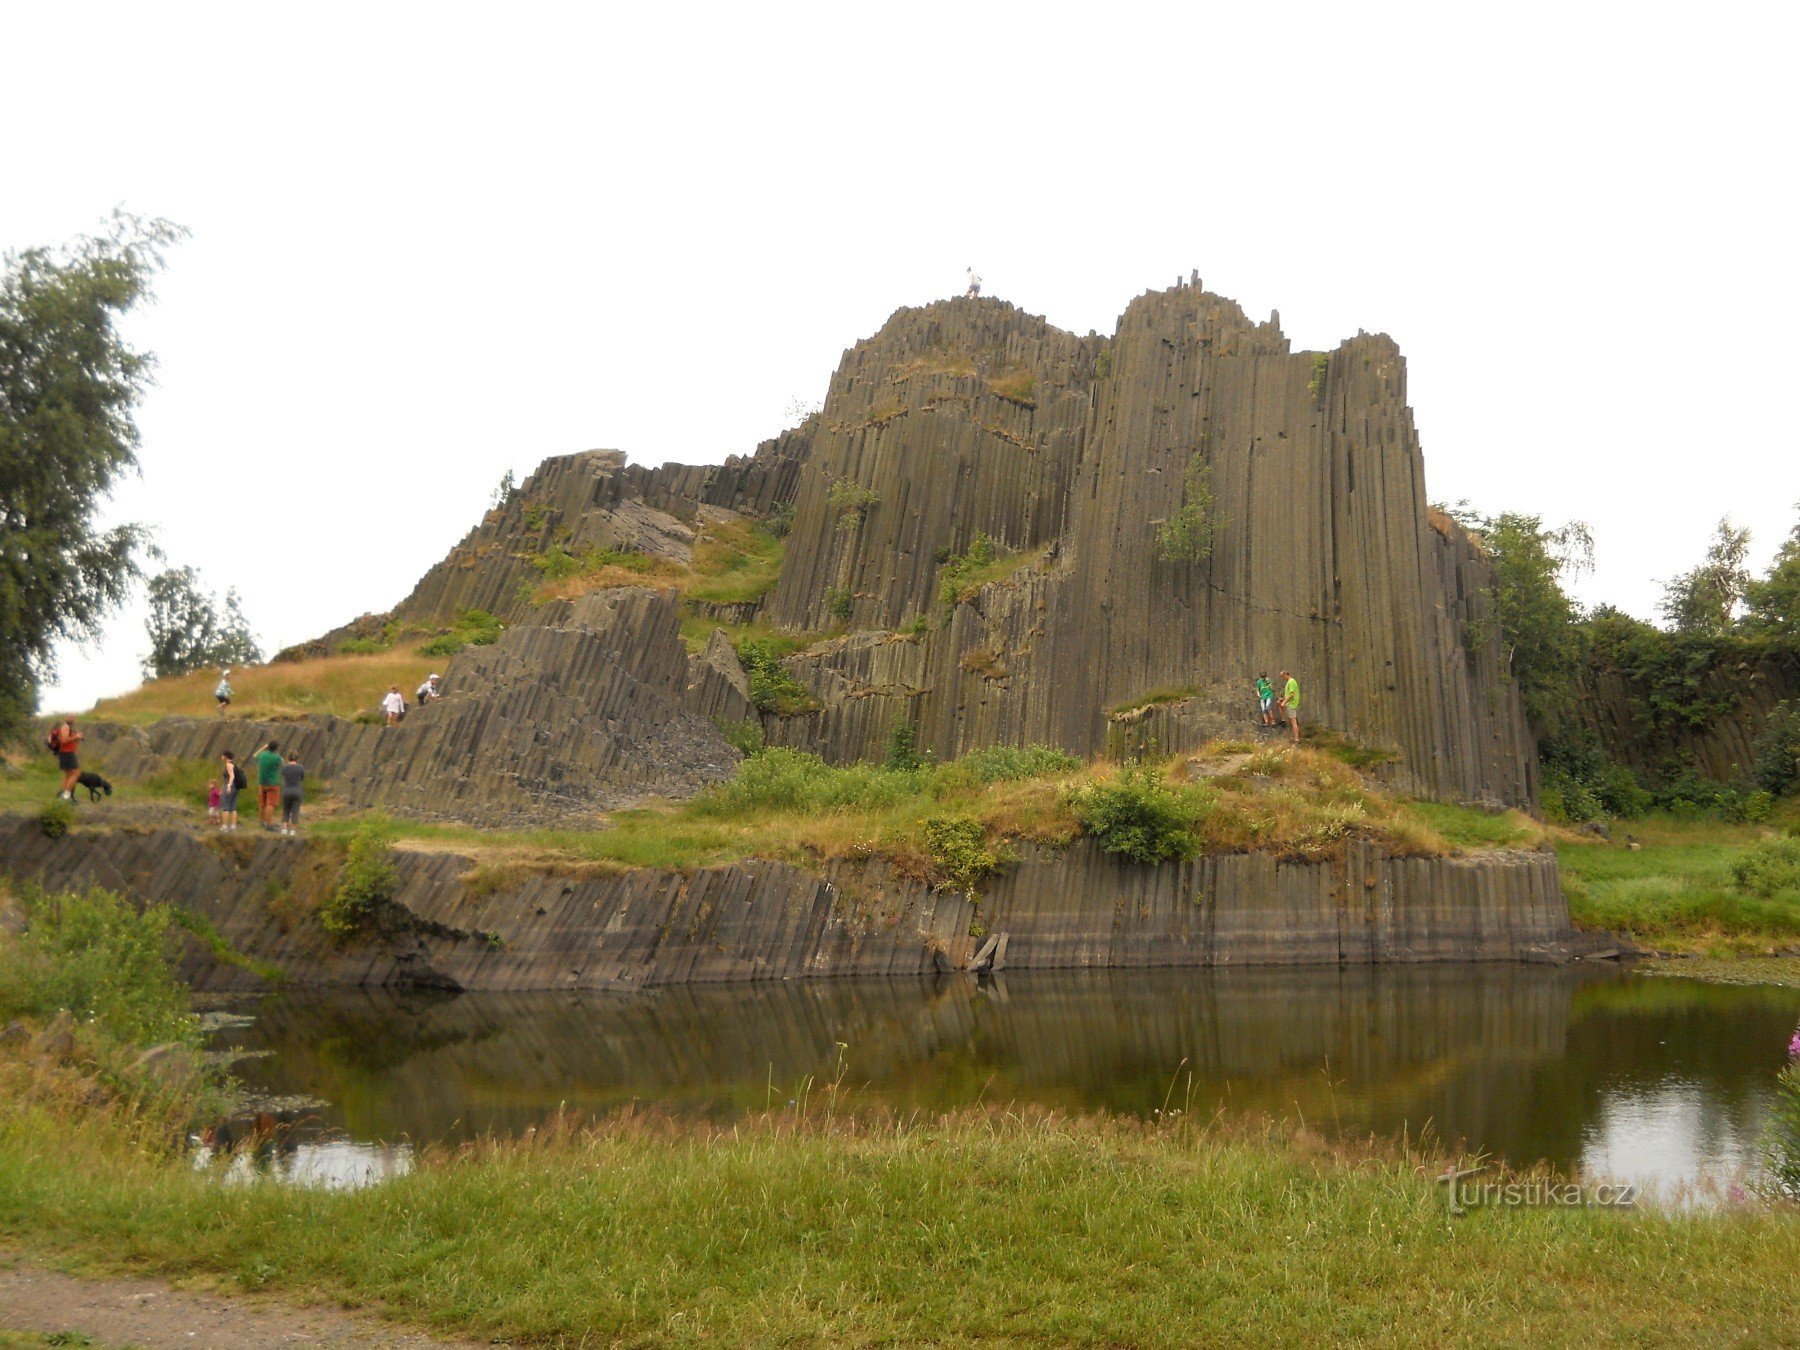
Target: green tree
pixel 189 630
pixel 1189 534
pixel 1705 601
pixel 69 384
pixel 1773 603
pixel 1536 619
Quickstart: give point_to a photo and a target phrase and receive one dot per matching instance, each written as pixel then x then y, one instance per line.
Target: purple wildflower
pixel 1794 1045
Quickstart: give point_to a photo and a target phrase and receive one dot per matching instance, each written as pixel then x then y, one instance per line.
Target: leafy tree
pixel 69 384
pixel 1705 600
pixel 188 630
pixel 1773 603
pixel 505 492
pixel 1537 620
pixel 1189 534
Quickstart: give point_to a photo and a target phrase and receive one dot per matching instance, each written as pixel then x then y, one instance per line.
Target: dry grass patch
pixel 341 685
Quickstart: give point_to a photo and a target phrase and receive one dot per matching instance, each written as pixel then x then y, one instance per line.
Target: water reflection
pixel 327 1164
pixel 1649 1079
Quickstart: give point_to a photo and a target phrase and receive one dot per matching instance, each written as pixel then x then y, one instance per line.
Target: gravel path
pixel 148 1313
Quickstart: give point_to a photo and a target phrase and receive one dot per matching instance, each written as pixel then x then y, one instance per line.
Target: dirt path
pixel 148 1313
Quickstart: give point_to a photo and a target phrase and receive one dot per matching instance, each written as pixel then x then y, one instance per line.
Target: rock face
pixel 967 417
pixel 584 711
pixel 451 925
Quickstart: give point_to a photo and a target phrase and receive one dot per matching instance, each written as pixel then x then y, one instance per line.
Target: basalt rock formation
pixel 449 925
pixel 968 421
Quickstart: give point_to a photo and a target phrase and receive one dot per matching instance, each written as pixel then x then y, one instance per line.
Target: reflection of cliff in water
pixel 1513 1059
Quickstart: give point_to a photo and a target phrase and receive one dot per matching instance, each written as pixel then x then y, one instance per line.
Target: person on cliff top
pixel 63 741
pixel 974 291
pixel 214 799
pixel 1290 702
pixel 1265 698
pixel 234 783
pixel 428 692
pixel 292 776
pixel 268 784
pixel 393 703
pixel 222 694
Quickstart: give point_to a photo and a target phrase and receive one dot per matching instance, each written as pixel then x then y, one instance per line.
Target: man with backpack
pixel 63 741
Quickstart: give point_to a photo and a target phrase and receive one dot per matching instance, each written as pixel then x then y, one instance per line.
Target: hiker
pixel 394 705
pixel 222 694
pixel 234 783
pixel 213 799
pixel 974 291
pixel 63 742
pixel 1290 702
pixel 268 784
pixel 292 776
pixel 1265 698
pixel 428 692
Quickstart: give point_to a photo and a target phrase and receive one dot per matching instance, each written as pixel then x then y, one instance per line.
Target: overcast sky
pixel 434 243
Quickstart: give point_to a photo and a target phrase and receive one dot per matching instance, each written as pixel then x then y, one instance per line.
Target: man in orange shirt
pixel 64 740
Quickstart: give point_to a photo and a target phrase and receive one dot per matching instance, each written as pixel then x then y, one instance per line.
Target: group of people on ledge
pixel 280 788
pixel 1286 704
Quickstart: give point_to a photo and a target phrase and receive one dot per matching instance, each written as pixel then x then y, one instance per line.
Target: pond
pixel 1658 1081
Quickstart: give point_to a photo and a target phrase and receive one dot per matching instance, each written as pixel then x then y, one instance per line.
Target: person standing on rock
pixel 222 694
pixel 974 291
pixel 235 782
pixel 393 703
pixel 292 776
pixel 1290 702
pixel 268 784
pixel 65 741
pixel 428 692
pixel 1265 700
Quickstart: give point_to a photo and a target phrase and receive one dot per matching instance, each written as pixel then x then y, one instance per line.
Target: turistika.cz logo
pixel 1465 1194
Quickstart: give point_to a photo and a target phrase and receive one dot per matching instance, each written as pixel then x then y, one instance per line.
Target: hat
pixel 437 677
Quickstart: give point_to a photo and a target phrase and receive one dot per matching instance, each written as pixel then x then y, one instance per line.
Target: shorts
pixel 268 796
pixel 1267 703
pixel 290 810
pixel 66 761
pixel 228 799
pixel 223 700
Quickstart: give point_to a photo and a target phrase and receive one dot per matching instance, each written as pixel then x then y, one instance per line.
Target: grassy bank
pixel 345 685
pixel 1676 889
pixel 966 1229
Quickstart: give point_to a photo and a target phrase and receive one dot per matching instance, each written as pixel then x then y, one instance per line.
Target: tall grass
pixel 341 685
pixel 825 1229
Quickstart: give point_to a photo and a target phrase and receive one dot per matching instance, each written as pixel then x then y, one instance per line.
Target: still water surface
pixel 1660 1081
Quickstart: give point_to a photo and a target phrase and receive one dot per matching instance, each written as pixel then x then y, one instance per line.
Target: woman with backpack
pixel 234 783
pixel 63 742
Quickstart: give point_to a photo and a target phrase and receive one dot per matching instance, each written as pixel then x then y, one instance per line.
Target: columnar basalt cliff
pixel 448 926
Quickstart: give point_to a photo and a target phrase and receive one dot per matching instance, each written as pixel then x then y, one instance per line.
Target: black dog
pixel 95 785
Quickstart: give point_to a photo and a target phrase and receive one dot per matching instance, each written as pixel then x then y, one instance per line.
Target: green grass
pixel 1675 891
pixel 825 1230
pixel 344 685
pixel 736 563
pixel 1152 698
pixel 1471 827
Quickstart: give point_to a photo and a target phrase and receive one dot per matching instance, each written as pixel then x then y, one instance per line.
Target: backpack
pixel 53 742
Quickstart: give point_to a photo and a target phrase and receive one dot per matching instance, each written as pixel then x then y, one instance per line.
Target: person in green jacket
pixel 1290 702
pixel 1265 699
pixel 268 784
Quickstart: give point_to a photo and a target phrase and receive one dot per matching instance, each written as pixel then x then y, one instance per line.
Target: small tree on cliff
pixel 68 387
pixel 1705 600
pixel 189 630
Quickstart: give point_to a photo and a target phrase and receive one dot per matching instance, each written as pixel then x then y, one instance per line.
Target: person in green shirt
pixel 1290 701
pixel 1265 698
pixel 268 784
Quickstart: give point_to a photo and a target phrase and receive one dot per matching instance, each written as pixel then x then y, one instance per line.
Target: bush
pixel 102 960
pixel 365 880
pixel 473 628
pixel 791 780
pixel 960 570
pixel 1778 751
pixel 903 753
pixel 744 737
pixel 56 819
pixel 1783 1140
pixel 839 601
pixel 772 689
pixel 959 848
pixel 1769 869
pixel 1009 763
pixel 1139 816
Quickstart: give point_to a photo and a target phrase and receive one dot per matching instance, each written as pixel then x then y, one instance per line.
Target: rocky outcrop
pixel 452 924
pixel 583 712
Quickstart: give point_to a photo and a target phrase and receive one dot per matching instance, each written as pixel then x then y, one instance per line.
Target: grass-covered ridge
pixel 344 685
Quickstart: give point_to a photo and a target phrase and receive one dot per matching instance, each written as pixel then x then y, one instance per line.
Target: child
pixel 212 803
pixel 1265 695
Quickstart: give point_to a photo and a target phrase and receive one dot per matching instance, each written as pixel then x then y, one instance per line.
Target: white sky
pixel 431 243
